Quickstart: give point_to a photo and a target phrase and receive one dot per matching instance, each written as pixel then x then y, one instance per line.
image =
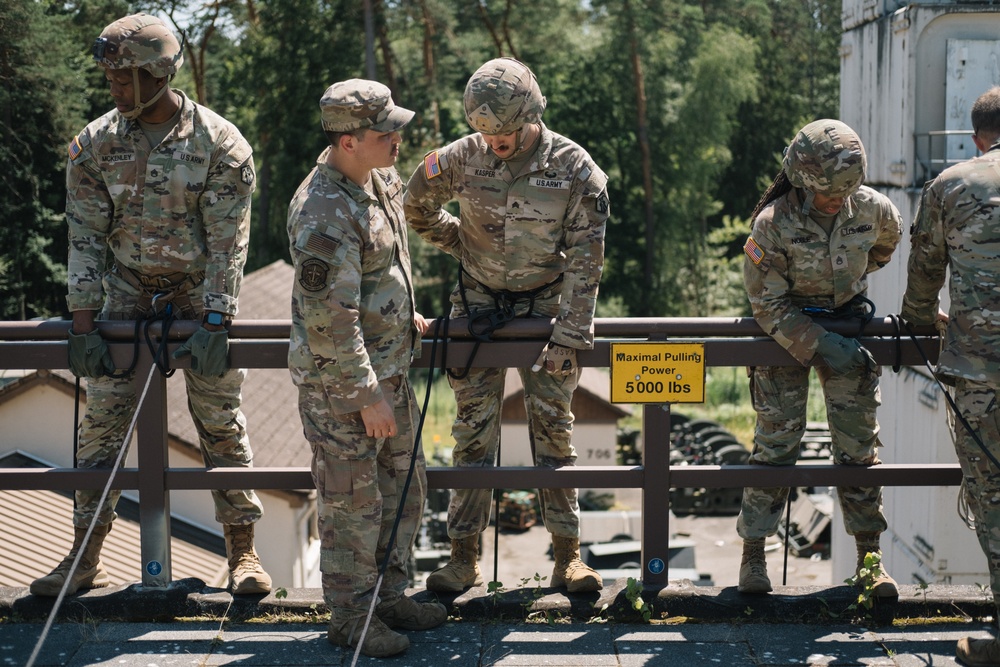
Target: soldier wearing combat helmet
pixel 817 234
pixel 158 210
pixel 530 242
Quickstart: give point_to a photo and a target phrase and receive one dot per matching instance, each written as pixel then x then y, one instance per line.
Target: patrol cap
pixel 358 104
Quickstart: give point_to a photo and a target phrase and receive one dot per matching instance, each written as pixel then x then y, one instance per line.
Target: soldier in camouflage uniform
pixel 530 242
pixel 158 204
pixel 354 334
pixel 817 234
pixel 956 228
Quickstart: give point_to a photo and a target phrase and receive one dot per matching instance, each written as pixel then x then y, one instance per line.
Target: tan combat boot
pixel 978 652
pixel 409 614
pixel 569 570
pixel 753 568
pixel 461 571
pixel 883 586
pixel 380 641
pixel 246 574
pixel 90 573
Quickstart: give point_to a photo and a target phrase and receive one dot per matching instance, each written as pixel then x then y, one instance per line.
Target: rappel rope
pixel 951 400
pixel 93 522
pixel 402 499
pixel 954 415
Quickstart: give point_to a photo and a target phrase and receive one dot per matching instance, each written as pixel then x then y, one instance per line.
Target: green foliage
pixel 864 581
pixel 39 105
pixel 633 593
pixel 710 81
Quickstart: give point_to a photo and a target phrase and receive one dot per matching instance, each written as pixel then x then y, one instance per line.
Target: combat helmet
pixel 502 96
pixel 826 157
pixel 139 41
pixel 135 42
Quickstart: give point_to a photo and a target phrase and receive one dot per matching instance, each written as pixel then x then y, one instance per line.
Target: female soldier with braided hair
pixel 817 234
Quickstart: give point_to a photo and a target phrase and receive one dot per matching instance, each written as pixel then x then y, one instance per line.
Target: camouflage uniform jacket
pixel 519 233
pixel 182 206
pixel 352 300
pixel 791 262
pixel 957 226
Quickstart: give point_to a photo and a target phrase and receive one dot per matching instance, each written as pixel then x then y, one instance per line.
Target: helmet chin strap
pixel 141 106
pixel 520 139
pixel 807 202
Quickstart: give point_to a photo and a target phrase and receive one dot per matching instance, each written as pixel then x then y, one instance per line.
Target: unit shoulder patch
pixel 313 274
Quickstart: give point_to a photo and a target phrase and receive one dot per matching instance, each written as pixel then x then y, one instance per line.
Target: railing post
pixel 154 500
pixel 655 493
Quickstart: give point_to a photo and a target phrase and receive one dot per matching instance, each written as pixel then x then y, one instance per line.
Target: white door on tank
pixel 973 68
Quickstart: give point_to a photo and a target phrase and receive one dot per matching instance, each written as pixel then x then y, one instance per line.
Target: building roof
pixel 591 400
pixel 271 408
pixel 270 399
pixel 36 533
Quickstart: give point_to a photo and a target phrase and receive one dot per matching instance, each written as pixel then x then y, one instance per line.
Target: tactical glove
pixel 556 360
pixel 844 355
pixel 209 352
pixel 89 356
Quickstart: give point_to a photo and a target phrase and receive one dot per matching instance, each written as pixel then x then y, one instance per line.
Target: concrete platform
pixel 189 624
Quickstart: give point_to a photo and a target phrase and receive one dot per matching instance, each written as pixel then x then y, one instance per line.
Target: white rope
pixel 90 528
pixel 368 620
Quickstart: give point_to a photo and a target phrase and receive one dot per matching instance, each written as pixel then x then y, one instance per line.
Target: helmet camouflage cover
pixel 826 158
pixel 139 41
pixel 502 96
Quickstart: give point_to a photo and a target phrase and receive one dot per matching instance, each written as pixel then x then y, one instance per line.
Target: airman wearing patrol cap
pixel 354 332
pixel 358 104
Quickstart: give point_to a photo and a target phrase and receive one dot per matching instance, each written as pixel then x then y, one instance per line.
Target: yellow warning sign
pixel 652 372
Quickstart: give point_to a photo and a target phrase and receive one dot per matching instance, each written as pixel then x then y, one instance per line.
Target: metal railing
pixel 264 344
pixel 934 154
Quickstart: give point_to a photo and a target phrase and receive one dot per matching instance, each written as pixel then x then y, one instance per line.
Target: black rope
pixel 413 455
pixel 860 307
pixel 951 401
pixel 898 363
pixel 788 520
pixel 158 350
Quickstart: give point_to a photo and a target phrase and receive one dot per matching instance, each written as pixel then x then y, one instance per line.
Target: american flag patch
pixel 321 244
pixel 432 167
pixel 74 148
pixel 753 251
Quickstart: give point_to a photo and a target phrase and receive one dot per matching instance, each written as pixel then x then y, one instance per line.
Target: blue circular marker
pixel 153 568
pixel 655 565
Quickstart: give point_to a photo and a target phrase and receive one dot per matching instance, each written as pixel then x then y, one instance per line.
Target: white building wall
pixel 595 446
pixel 894 91
pixel 39 422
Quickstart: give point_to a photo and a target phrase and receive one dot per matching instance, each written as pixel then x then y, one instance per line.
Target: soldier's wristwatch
pixel 215 319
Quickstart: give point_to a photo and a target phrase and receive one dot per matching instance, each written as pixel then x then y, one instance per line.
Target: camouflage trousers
pixel 779 395
pixel 214 405
pixel 479 398
pixel 477 436
pixel 359 483
pixel 977 402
